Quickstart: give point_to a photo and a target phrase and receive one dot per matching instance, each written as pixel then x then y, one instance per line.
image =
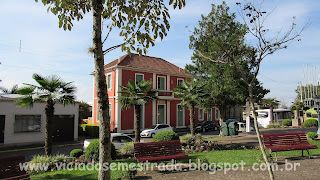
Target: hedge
pixel 311 123
pixel 287 122
pixel 92 151
pixel 165 135
pixel 89 130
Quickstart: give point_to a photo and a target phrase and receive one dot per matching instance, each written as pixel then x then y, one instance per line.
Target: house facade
pixel 23 125
pixel 164 77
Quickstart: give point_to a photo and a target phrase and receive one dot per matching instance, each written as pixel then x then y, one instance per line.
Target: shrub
pixel 92 151
pixel 186 138
pixel 311 123
pixel 165 135
pixel 49 161
pixel 76 153
pixel 89 130
pixel 129 174
pixel 202 160
pixel 274 125
pixel 312 135
pixel 287 122
pixel 128 149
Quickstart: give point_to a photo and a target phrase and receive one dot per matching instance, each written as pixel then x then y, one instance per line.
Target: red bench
pixel 158 151
pixel 10 168
pixel 287 142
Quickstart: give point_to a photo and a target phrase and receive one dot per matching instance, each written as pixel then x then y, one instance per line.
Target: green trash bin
pixel 233 128
pixel 224 127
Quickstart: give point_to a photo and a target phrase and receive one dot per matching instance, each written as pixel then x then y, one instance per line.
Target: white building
pixel 264 116
pixel 27 125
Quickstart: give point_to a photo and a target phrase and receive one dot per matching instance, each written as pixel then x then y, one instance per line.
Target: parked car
pixel 231 120
pixel 206 126
pixel 154 129
pixel 242 127
pixel 118 139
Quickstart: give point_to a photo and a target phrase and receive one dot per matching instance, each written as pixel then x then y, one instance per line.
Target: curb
pixel 26 149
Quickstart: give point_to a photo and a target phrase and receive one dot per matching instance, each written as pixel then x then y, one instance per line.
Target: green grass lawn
pixel 226 156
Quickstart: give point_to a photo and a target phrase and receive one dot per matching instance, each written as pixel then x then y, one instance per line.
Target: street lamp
pixel 317 100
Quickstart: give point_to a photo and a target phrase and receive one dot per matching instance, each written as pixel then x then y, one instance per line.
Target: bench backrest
pixel 285 139
pixel 9 166
pixel 155 149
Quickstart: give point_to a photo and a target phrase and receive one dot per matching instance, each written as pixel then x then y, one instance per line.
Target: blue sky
pixel 46 49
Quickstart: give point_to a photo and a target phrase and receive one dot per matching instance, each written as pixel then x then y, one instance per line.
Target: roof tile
pixel 146 63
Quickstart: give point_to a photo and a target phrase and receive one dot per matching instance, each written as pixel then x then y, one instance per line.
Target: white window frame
pixel 165 113
pixel 109 87
pixel 184 122
pixel 208 114
pixel 217 114
pixel 135 77
pixel 165 86
pixel 178 81
pixel 202 114
pixel 110 112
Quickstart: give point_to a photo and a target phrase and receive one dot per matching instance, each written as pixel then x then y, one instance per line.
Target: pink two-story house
pixel 164 77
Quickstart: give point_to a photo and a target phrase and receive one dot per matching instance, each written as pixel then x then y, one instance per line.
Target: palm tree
pixel 271 103
pixel 137 95
pixel 296 107
pixel 13 90
pixel 191 94
pixel 51 90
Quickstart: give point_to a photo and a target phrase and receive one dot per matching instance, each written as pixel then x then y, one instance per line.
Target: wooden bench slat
pixel 10 168
pixel 287 142
pixel 158 151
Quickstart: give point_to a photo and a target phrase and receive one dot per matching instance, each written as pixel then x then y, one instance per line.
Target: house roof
pixel 147 63
pixel 9 96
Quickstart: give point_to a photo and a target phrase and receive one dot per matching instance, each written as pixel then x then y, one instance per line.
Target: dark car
pixel 206 126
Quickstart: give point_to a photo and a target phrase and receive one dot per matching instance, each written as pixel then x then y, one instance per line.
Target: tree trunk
pixel 297 116
pixel 271 113
pixel 137 109
pixel 49 129
pixel 102 95
pixel 222 114
pixel 192 128
pixel 258 133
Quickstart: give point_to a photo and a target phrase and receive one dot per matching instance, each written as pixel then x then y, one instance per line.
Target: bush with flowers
pixel 195 144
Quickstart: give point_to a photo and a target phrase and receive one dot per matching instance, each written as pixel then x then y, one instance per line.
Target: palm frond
pixel 26 101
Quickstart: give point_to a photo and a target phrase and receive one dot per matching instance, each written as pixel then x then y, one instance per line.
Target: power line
pixel 42 69
pixel 287 83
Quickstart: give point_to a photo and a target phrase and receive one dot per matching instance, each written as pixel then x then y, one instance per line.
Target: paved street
pixel 30 152
pixel 248 139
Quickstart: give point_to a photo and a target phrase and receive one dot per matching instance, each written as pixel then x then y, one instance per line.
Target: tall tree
pixel 271 103
pixel 140 23
pixel 13 90
pixel 137 95
pixel 297 106
pixel 217 40
pixel 51 90
pixel 267 43
pixel 251 57
pixel 192 95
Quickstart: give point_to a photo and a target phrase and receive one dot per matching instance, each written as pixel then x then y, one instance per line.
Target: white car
pixel 118 139
pixel 242 127
pixel 154 129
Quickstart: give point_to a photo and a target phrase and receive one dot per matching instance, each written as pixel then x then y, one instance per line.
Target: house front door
pixel 2 123
pixel 180 115
pixel 161 114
